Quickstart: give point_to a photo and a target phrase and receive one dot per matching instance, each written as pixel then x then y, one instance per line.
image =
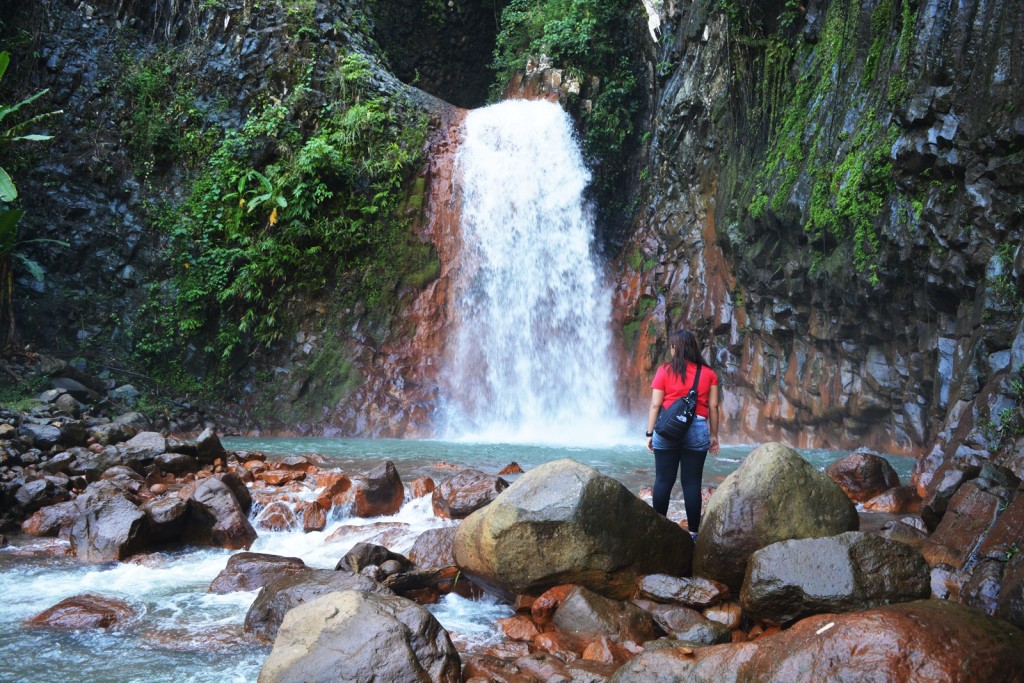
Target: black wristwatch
pixel 649 434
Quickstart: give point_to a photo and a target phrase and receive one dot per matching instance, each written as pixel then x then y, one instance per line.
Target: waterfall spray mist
pixel 530 359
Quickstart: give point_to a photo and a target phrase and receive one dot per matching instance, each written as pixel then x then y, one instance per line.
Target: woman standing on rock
pixel 672 381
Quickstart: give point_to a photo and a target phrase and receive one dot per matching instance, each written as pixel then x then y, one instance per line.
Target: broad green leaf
pixel 5 59
pixel 8 192
pixel 37 138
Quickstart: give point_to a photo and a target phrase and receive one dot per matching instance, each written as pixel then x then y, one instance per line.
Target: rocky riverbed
pixel 781 583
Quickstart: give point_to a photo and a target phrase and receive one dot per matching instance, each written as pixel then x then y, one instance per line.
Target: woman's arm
pixel 657 397
pixel 713 417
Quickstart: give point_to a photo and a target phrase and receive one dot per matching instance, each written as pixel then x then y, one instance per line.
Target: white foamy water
pixel 531 353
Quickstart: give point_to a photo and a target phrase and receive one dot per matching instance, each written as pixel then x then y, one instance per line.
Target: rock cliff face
pixel 831 199
pixel 834 205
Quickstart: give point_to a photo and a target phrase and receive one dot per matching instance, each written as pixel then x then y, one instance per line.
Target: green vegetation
pixel 807 121
pixel 11 247
pixel 587 39
pixel 309 196
pixel 1003 285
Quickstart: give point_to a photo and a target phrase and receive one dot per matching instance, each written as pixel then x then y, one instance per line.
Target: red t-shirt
pixel 668 381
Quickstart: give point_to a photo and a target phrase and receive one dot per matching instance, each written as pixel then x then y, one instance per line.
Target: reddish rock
pixel 523 603
pixel 336 489
pixel 279 477
pixel 216 517
pixel 543 608
pixel 544 667
pixel 379 493
pixel 53 520
pixel 563 645
pixel 296 463
pixel 1011 594
pixel 82 612
pixel 255 466
pixel 585 613
pixel 511 468
pixel 730 614
pixel 518 628
pixel 421 486
pixel 158 489
pixel 863 475
pixel 433 548
pixel 897 500
pixel 1007 534
pixel 314 518
pixel 277 517
pixel 465 493
pixel 971 511
pixel 251 571
pixel 920 641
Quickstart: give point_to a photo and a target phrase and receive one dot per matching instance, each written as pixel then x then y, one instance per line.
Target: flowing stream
pixel 530 357
pixel 182 633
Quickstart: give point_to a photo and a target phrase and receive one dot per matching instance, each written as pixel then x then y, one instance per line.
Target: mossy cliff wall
pixel 834 203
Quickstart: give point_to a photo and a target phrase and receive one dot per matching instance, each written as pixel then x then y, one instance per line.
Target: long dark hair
pixel 687 351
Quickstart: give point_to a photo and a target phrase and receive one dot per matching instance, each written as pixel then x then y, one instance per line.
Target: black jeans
pixel 690 466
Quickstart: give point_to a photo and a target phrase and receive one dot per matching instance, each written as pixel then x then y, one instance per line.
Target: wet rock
pixel 353 636
pixel 380 493
pixel 209 448
pixel 585 613
pixel 542 610
pixel 689 625
pixel 775 495
pixel 935 640
pixel 1010 605
pixel 542 666
pixel 69 405
pixel 971 512
pixel 314 518
pixel 61 462
pixel 43 437
pixel 126 394
pixel 112 433
pixel 176 463
pixel 519 627
pixel 336 487
pixel 168 517
pixel 695 592
pixel 981 590
pixel 421 486
pixel 238 487
pixel 285 592
pixel 466 492
pixel 75 388
pixel 904 532
pixel 40 493
pixel 564 522
pixel 729 614
pixel 852 571
pixel 363 555
pixel 53 520
pixel 216 517
pixel 144 447
pixel 109 526
pixel 897 500
pixel 434 548
pixel 943 485
pixel 84 611
pixel 277 517
pixel 863 475
pixel 92 465
pixel 73 433
pixel 252 571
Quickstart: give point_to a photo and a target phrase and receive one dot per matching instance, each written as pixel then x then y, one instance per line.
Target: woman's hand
pixel 714 446
pixel 650 444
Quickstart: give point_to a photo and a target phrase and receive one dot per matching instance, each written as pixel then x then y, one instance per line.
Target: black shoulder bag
pixel 674 421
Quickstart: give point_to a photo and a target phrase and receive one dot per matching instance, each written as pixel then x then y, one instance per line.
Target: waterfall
pixel 530 353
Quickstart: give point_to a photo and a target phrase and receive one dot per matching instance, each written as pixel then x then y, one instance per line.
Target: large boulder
pixel 775 495
pixel 970 513
pixel 863 475
pixel 39 494
pixel 465 493
pixel 109 525
pixel 292 589
pixel 928 640
pixel 41 436
pixel 853 571
pixel 379 493
pixel 564 522
pixel 434 547
pixel 216 517
pixel 251 571
pixel 355 636
pixel 144 447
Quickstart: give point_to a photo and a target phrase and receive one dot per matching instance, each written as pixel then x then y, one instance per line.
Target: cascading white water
pixel 531 357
